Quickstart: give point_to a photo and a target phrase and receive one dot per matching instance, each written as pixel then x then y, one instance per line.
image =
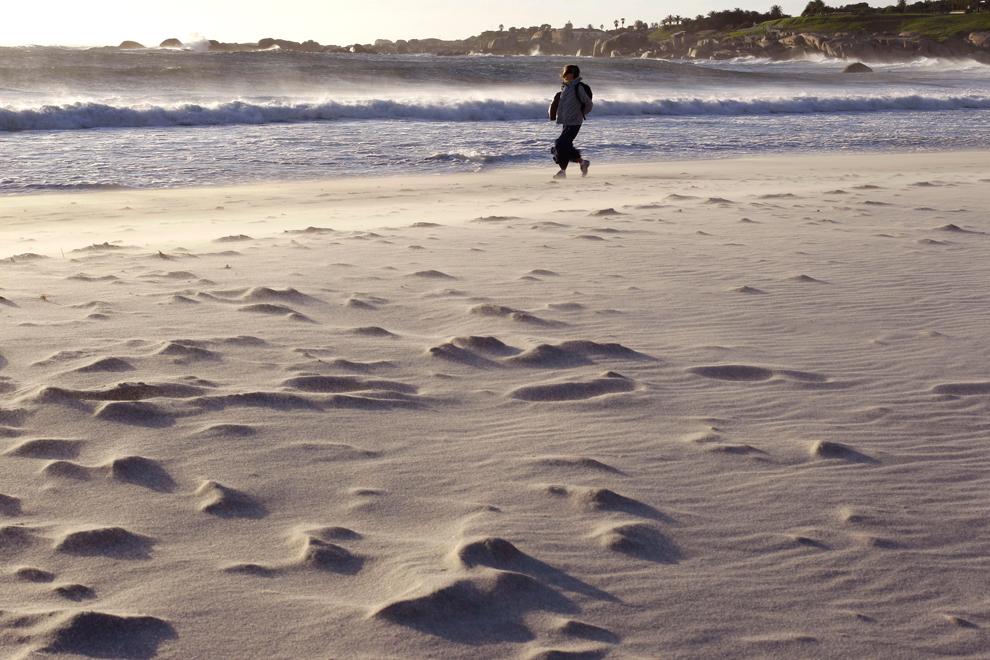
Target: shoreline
pixel 237 209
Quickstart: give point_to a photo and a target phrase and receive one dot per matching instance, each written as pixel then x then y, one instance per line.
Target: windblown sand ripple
pixel 689 410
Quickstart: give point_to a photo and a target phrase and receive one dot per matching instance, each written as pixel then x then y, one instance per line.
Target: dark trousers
pixel 563 149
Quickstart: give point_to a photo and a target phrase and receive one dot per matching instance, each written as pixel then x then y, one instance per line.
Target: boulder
pixel 507 44
pixel 627 41
pixel 170 43
pixel 980 39
pixel 358 48
pixel 129 45
pixel 562 37
pixel 857 67
pixel 311 46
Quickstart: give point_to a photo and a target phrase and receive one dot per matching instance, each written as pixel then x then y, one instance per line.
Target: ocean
pixel 74 119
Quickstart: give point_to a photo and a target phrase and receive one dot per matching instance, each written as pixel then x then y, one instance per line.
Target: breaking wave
pixel 78 116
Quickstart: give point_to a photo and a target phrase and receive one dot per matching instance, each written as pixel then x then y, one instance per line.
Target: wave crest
pixel 78 116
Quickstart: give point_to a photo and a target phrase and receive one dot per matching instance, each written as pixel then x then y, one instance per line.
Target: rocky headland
pixel 775 44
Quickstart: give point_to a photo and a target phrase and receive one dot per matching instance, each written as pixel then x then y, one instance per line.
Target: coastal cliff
pixel 776 44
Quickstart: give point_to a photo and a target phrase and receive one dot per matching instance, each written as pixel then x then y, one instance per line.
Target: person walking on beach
pixel 569 109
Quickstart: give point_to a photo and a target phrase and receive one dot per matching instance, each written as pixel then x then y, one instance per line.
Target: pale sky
pixel 340 22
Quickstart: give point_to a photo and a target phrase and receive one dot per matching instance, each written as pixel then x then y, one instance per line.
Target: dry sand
pixel 726 409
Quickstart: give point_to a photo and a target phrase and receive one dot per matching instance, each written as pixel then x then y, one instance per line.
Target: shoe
pixel 584 167
pixel 560 175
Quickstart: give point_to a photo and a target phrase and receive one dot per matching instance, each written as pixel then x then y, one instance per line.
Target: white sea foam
pixel 86 115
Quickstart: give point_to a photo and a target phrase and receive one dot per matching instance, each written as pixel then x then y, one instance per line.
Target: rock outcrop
pixel 857 67
pixel 570 41
pixel 848 46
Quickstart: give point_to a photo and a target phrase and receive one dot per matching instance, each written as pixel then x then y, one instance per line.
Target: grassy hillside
pixel 938 27
pixel 935 27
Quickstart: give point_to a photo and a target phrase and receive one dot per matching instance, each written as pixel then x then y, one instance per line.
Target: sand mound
pixel 962 389
pixel 488 345
pixel 135 413
pixel 454 353
pixel 326 556
pixel 737 372
pixel 331 451
pixel 228 431
pixel 373 331
pixel 115 542
pixel 121 392
pixel 491 551
pixel 582 630
pixel 340 364
pixel 111 364
pixel 10 505
pixel 603 499
pixel 575 391
pixel 104 635
pixel 50 448
pixel 186 353
pixel 224 502
pixel 575 462
pixel 31 574
pixel 433 275
pixel 15 538
pixel 485 608
pixel 501 311
pixel 334 384
pixel 66 470
pixel 257 570
pixel 74 592
pixel 827 449
pixel 561 654
pixel 547 356
pixel 140 471
pixel 595 349
pixel 639 540
pixel 272 309
pixel 264 294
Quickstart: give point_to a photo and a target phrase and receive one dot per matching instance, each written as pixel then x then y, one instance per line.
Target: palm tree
pixel 678 19
pixel 623 22
pixel 500 27
pixel 669 20
pixel 616 24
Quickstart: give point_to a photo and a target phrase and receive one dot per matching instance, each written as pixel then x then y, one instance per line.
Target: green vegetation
pixel 938 28
pixel 934 26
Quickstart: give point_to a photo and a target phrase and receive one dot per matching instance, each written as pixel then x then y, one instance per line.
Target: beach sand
pixel 723 409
